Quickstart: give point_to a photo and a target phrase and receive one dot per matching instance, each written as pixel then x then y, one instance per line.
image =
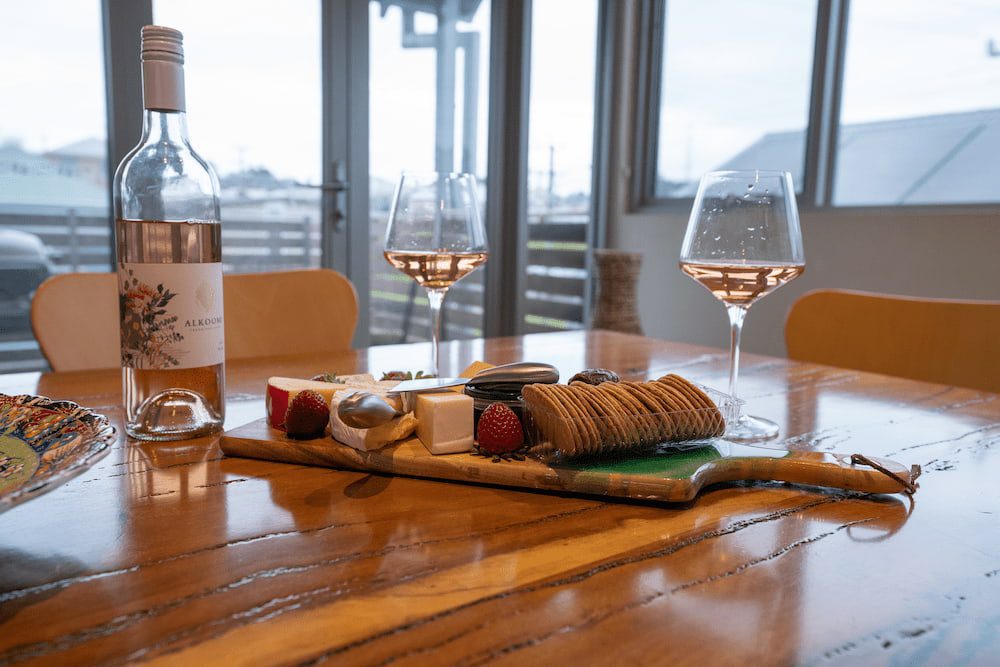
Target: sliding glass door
pixel 310 111
pixel 311 128
pixel 429 108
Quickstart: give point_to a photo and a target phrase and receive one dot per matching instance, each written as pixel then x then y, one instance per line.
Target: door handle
pixel 332 188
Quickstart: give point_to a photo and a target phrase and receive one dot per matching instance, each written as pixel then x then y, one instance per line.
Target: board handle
pixel 827 469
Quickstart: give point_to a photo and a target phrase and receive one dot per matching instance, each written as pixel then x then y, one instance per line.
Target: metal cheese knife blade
pixel 427 384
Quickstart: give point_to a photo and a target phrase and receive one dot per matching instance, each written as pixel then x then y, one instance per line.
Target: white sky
pixel 252 70
pixel 563 59
pixel 920 57
pixel 51 72
pixel 734 71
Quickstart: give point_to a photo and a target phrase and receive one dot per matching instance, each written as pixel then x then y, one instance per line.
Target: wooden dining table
pixel 175 553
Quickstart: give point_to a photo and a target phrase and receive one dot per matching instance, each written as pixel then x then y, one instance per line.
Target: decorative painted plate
pixel 44 443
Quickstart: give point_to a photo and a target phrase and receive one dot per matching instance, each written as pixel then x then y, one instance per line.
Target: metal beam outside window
pixel 507 167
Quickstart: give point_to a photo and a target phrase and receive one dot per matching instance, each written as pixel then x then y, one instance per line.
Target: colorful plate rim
pixel 95 431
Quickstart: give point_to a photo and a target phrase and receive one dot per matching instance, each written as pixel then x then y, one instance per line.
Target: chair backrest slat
pixel 75 316
pixel 946 341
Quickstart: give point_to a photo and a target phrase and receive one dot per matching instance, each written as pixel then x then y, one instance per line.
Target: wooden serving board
pixel 672 474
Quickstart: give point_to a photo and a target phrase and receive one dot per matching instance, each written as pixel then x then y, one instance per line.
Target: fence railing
pixel 557 277
pixel 83 243
pixel 555 295
pixel 556 281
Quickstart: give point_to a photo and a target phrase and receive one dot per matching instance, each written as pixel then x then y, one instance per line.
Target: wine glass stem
pixel 736 316
pixel 435 297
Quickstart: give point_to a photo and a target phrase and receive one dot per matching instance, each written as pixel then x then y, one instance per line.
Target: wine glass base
pixel 751 429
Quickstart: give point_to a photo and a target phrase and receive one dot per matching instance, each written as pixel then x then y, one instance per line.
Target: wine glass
pixel 742 242
pixel 435 236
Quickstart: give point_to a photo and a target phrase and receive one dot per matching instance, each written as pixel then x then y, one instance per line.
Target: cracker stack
pixel 581 419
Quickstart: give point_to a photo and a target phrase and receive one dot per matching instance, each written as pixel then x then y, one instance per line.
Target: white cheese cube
pixel 444 421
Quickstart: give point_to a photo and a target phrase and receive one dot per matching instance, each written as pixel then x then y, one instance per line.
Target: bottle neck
pixel 163 85
pixel 170 126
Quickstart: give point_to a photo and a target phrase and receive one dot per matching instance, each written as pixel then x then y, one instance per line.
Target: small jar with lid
pixel 503 384
pixel 483 398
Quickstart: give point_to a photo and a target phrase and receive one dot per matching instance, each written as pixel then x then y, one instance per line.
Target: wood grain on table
pixel 170 552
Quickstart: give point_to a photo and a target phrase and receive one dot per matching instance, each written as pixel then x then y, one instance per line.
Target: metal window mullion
pixel 606 83
pixel 358 202
pixel 122 21
pixel 345 131
pixel 507 167
pixel 648 99
pixel 824 108
pixel 836 86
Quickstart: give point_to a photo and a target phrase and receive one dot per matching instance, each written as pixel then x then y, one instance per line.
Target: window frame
pixel 823 123
pixel 507 167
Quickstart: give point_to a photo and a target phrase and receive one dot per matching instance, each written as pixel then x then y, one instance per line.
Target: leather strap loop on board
pixel 908 484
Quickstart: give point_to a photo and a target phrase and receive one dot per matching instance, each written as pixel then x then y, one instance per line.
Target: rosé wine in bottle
pixel 169 259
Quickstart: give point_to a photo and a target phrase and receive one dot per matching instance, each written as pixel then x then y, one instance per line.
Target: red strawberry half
pixel 307 414
pixel 499 430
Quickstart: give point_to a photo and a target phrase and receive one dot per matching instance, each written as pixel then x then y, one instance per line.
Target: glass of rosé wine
pixel 435 236
pixel 742 242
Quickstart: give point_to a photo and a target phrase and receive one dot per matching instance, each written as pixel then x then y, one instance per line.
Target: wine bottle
pixel 169 256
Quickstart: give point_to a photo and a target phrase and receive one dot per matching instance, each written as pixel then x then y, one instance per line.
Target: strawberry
pixel 307 414
pixel 499 430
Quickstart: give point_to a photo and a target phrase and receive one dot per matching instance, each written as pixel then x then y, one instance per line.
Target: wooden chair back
pixel 936 340
pixel 75 320
pixel 75 316
pixel 288 312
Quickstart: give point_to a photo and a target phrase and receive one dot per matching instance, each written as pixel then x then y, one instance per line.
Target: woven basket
pixel 616 304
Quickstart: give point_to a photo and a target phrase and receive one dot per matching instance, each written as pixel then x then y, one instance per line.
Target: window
pixel 254 104
pixel 426 114
pixel 903 97
pixel 54 192
pixel 734 90
pixel 920 116
pixel 560 148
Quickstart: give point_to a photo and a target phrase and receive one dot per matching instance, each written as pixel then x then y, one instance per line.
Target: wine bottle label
pixel 171 315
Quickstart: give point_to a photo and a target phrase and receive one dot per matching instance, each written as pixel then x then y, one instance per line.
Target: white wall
pixel 922 254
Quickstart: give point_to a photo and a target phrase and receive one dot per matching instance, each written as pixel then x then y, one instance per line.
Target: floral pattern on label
pixel 171 315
